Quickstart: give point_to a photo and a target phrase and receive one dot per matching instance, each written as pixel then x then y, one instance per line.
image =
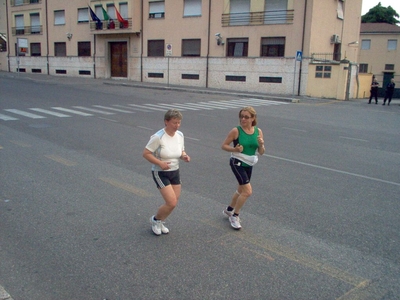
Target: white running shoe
pixel 235 222
pixel 156 226
pixel 164 229
pixel 227 212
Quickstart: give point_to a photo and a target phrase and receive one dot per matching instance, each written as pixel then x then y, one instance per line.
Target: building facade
pixel 285 47
pixel 379 55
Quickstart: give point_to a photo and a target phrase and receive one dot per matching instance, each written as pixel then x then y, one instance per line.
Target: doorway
pixel 119 59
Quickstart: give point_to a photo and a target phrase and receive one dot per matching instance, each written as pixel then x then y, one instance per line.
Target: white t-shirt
pixel 166 148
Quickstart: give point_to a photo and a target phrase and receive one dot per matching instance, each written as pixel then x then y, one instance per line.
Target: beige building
pixel 302 47
pixel 379 56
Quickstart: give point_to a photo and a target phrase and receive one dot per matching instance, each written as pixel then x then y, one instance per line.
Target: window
pixel 155 48
pixel 35 49
pixel 19 25
pixel 83 15
pixel 156 10
pixel 18 2
pixel 33 1
pixel 365 44
pixel 323 71
pixel 123 10
pixel 389 67
pixel 110 11
pixel 84 49
pixel 363 68
pixel 35 23
pixel 192 8
pixel 273 46
pixel 59 17
pixel 237 47
pixel 275 11
pixel 191 47
pixel 60 49
pixel 340 10
pixel 239 12
pixel 392 45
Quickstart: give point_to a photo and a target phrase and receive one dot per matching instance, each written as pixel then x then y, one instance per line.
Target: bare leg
pixel 171 194
pixel 239 198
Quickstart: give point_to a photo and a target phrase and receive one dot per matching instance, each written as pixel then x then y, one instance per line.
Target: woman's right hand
pixel 238 148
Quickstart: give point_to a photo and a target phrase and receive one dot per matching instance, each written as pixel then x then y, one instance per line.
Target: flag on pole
pixel 123 23
pixel 106 17
pixel 99 24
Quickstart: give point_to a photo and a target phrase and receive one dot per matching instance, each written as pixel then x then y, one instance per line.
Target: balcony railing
pixel 108 26
pixel 326 57
pixel 27 30
pixel 258 18
pixel 24 2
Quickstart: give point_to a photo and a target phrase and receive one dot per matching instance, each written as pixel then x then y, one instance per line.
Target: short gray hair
pixel 173 114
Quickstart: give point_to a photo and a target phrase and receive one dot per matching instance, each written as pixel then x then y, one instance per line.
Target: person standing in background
pixel 389 91
pixel 374 91
pixel 247 139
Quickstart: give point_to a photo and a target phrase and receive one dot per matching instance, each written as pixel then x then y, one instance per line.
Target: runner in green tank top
pixel 248 142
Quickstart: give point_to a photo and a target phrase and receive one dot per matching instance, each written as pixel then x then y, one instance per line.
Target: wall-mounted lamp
pixel 218 37
pixel 353 43
pixel 69 36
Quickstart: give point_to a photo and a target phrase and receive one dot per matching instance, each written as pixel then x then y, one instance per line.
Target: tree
pixel 381 14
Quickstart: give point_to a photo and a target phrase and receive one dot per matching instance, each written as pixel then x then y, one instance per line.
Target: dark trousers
pixel 388 96
pixel 374 94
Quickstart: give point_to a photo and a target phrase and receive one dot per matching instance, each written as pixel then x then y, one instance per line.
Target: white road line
pixel 72 111
pixel 94 110
pixel 7 118
pixel 332 170
pixel 134 108
pixel 146 107
pixel 24 113
pixel 49 112
pixel 115 109
pixel 294 129
pixel 354 139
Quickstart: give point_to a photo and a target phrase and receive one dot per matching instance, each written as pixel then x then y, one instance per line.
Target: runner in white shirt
pixel 164 150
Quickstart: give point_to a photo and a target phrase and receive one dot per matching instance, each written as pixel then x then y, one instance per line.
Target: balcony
pixel 334 57
pixel 24 2
pixel 258 18
pixel 107 27
pixel 27 30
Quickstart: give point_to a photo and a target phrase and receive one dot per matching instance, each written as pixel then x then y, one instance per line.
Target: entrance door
pixel 119 59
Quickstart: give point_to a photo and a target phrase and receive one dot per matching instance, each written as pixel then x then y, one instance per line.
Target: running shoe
pixel 235 222
pixel 164 229
pixel 228 213
pixel 156 226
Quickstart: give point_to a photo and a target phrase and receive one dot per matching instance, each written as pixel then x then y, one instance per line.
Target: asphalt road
pixel 76 197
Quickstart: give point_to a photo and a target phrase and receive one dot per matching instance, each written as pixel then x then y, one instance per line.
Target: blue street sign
pixel 299 55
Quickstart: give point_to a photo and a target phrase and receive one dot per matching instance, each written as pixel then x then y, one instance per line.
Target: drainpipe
pixel 47 39
pixel 141 40
pixel 94 56
pixel 302 45
pixel 8 39
pixel 208 41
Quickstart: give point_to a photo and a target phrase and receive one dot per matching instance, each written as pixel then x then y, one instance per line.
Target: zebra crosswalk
pixel 83 111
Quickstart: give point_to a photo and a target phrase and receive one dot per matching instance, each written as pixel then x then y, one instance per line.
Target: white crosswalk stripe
pixel 115 109
pixel 71 111
pixel 63 112
pixel 102 112
pixel 7 118
pixel 24 113
pixel 48 112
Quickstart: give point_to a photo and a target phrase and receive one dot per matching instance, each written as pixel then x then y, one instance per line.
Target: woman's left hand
pixel 186 158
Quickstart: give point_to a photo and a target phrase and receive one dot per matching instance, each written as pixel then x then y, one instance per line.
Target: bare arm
pixel 148 155
pixel 260 139
pixel 226 145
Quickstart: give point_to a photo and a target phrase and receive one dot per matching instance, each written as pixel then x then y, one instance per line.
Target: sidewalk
pixel 189 89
